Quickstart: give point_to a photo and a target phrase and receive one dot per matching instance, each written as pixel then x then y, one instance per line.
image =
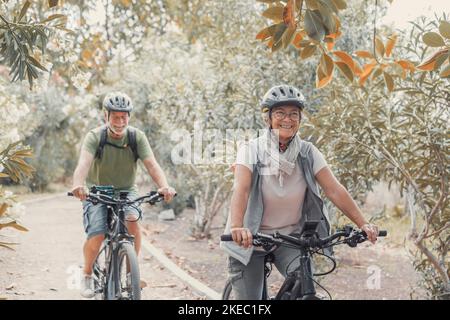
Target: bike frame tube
pixel 304 274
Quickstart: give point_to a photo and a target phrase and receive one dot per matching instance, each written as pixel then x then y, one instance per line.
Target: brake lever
pixel 355 238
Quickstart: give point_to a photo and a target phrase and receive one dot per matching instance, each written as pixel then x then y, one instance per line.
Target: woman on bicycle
pixel 276 189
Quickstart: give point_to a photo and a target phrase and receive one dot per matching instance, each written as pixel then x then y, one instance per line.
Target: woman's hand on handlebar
pixel 80 192
pixel 242 236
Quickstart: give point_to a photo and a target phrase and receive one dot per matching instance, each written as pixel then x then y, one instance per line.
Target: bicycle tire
pixel 119 287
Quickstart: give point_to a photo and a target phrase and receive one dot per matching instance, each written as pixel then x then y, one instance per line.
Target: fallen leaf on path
pixel 171 285
pixel 11 286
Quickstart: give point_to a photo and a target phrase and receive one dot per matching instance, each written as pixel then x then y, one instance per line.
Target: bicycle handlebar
pixel 352 238
pixel 153 197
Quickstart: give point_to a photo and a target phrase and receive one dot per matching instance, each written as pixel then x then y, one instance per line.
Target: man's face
pixel 118 121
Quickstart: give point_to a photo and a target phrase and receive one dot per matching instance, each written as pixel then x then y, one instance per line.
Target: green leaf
pixel 444 29
pixel 433 39
pixel 55 16
pixel 277 37
pixel 6 245
pixel 340 4
pixel 379 47
pixel 274 13
pixel 330 5
pixel 389 81
pixel 24 10
pixel 312 4
pixel 287 37
pixel 327 18
pixel 307 52
pixel 314 26
pixel 14 225
pixel 30 78
pixel 36 63
pixel 52 3
pixel 345 70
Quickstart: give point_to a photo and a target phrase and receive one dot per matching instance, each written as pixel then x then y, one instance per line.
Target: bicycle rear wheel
pixel 126 280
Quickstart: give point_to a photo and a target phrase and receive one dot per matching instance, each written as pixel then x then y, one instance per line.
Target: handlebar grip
pixel 226 237
pixel 381 233
pixel 70 194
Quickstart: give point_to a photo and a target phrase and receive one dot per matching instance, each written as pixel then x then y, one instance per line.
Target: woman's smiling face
pixel 286 119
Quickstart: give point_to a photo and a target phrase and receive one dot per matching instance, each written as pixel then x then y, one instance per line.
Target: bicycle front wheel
pixel 126 274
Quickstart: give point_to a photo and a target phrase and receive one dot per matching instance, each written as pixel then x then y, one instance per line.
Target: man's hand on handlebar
pixel 371 230
pixel 168 193
pixel 242 236
pixel 80 192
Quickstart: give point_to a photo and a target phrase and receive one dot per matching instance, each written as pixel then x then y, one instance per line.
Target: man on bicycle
pixel 108 157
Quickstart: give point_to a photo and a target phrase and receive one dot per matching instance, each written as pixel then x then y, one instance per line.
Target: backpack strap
pixel 101 145
pixel 132 143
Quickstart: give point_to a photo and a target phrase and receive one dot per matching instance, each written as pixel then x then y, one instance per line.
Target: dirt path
pixel 46 264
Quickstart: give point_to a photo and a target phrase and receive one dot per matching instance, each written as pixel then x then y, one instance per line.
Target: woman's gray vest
pixel 313 207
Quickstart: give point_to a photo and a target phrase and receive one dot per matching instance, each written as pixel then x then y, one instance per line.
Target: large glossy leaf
pixel 327 64
pixel 308 51
pixel 444 29
pixel 277 37
pixel 345 70
pixel 274 13
pixel 314 25
pixel 266 32
pixel 340 4
pixel 433 39
pixel 327 18
pixel 288 36
pixel 346 58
